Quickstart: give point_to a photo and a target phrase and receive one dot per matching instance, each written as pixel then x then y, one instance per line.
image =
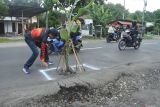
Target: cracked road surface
pixel 97 56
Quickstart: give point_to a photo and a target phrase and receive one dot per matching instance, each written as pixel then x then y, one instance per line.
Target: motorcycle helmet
pixel 53 31
pixel 127 31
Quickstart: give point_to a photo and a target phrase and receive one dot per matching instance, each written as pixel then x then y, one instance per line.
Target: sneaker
pixel 26 70
pixel 50 63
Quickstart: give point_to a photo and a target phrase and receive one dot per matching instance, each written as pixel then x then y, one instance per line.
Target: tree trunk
pixel 66 60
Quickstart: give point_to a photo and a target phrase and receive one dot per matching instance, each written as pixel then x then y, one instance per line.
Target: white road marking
pixel 43 71
pixel 46 75
pixel 54 68
pixel 91 67
pixel 106 67
pixel 49 69
pixel 85 65
pixel 91 48
pixel 150 43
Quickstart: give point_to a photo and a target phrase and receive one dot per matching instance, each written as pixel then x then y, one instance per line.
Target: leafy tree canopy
pixel 3 9
pixel 116 11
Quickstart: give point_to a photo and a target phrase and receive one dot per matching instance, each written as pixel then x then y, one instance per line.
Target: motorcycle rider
pixel 111 30
pixel 128 32
pixel 134 32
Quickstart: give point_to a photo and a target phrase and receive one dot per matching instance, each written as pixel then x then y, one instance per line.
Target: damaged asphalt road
pixel 134 88
pixel 125 79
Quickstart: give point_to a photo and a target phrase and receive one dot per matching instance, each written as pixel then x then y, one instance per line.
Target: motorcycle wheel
pixel 78 48
pixel 122 45
pixel 137 45
pixel 108 40
pixel 49 51
pixel 118 38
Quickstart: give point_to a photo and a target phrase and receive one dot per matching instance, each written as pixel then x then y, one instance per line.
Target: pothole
pixel 116 93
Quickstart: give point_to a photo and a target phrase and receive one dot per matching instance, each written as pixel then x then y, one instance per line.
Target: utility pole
pixel 144 10
pixel 47 19
pixel 22 23
pixel 124 10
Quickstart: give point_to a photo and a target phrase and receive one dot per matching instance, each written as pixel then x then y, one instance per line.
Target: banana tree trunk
pixel 66 59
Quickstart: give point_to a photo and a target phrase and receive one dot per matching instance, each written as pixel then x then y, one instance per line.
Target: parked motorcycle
pixel 77 41
pixel 113 36
pixel 56 45
pixel 127 40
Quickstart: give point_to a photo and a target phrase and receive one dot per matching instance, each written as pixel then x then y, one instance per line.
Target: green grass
pixel 148 36
pixel 7 39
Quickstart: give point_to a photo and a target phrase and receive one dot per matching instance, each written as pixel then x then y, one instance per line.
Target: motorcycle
pixel 77 41
pixel 56 45
pixel 127 40
pixel 113 36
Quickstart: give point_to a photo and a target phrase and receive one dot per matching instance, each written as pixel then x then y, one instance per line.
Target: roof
pixel 125 23
pixel 27 7
pixel 122 22
pixel 28 11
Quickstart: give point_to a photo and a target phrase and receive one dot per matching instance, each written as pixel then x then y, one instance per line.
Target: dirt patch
pixel 116 93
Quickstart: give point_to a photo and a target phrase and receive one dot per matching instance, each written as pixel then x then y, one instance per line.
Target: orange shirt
pixel 35 33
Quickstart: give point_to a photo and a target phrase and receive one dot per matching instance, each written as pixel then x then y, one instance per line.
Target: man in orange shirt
pixel 37 37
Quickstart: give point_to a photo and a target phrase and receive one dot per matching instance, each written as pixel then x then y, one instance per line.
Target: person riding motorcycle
pixel 134 32
pixel 131 32
pixel 111 30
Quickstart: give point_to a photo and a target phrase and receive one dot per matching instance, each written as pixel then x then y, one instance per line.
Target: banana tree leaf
pixel 72 27
pixel 69 26
pixel 64 34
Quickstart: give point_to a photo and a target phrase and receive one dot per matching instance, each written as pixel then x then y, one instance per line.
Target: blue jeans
pixel 30 42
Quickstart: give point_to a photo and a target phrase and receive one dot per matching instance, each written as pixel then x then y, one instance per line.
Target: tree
pixel 100 16
pixel 157 20
pixel 149 16
pixel 55 18
pixel 137 16
pixel 83 3
pixel 116 11
pixel 70 27
pixel 3 9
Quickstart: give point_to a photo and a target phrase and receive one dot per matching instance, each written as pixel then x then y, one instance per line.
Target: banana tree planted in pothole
pixel 67 7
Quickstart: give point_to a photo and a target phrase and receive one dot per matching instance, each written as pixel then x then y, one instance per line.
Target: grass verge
pixel 8 39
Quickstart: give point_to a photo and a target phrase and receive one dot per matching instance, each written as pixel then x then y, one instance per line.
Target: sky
pixel 133 5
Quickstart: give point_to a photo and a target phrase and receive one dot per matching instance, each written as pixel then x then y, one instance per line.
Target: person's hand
pixel 44 64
